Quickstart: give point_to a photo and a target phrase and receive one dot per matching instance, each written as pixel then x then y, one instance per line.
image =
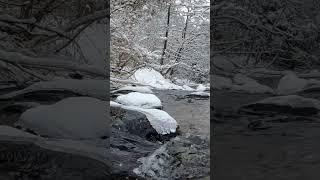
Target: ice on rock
pixel 139 100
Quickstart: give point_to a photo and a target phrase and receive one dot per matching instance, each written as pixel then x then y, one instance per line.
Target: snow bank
pixel 161 121
pixel 246 84
pixel 290 83
pixel 293 101
pixel 93 88
pixel 139 100
pixel 141 89
pixel 153 78
pixel 71 118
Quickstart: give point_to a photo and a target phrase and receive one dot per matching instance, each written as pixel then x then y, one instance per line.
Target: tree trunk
pixel 166 37
pixel 184 32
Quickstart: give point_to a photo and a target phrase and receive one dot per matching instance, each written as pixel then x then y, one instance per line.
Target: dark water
pixel 284 151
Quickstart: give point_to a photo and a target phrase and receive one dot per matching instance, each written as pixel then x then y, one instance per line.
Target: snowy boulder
pixel 290 104
pixel 140 100
pixel 161 121
pixel 128 89
pixel 136 123
pixel 220 82
pixel 249 85
pixel 71 118
pixel 63 87
pixel 153 78
pixel 290 83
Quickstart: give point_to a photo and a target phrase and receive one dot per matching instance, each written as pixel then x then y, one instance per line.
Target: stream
pixel 255 147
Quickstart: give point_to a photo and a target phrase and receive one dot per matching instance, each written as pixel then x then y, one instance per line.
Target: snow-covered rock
pixel 141 89
pixel 92 88
pixel 71 118
pixel 291 84
pixel 153 78
pixel 139 100
pixel 249 85
pixel 292 104
pixel 160 120
pixel 201 88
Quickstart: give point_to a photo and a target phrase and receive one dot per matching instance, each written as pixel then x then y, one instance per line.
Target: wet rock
pixel 136 123
pixel 181 158
pixel 25 156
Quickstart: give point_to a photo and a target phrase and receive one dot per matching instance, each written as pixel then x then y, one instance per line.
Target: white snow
pixel 294 101
pixel 92 88
pixel 246 84
pixel 187 88
pixel 161 121
pixel 71 118
pixel 204 94
pixel 153 78
pixel 201 88
pixel 141 89
pixel 290 83
pixel 139 100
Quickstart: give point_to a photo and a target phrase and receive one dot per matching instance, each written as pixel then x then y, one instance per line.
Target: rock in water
pixel 291 104
pixel 140 100
pixel 71 118
pixel 25 156
pixel 291 84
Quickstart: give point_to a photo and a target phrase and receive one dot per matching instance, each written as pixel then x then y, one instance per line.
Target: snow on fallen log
pixel 71 118
pixel 160 120
pixel 93 88
pixel 140 100
pixel 50 63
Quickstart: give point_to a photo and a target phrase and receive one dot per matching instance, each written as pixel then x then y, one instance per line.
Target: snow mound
pixel 246 84
pixel 71 118
pixel 161 121
pixel 139 100
pixel 290 83
pixel 292 101
pixel 141 89
pixel 220 82
pixel 93 88
pixel 201 88
pixel 154 79
pixel 187 88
